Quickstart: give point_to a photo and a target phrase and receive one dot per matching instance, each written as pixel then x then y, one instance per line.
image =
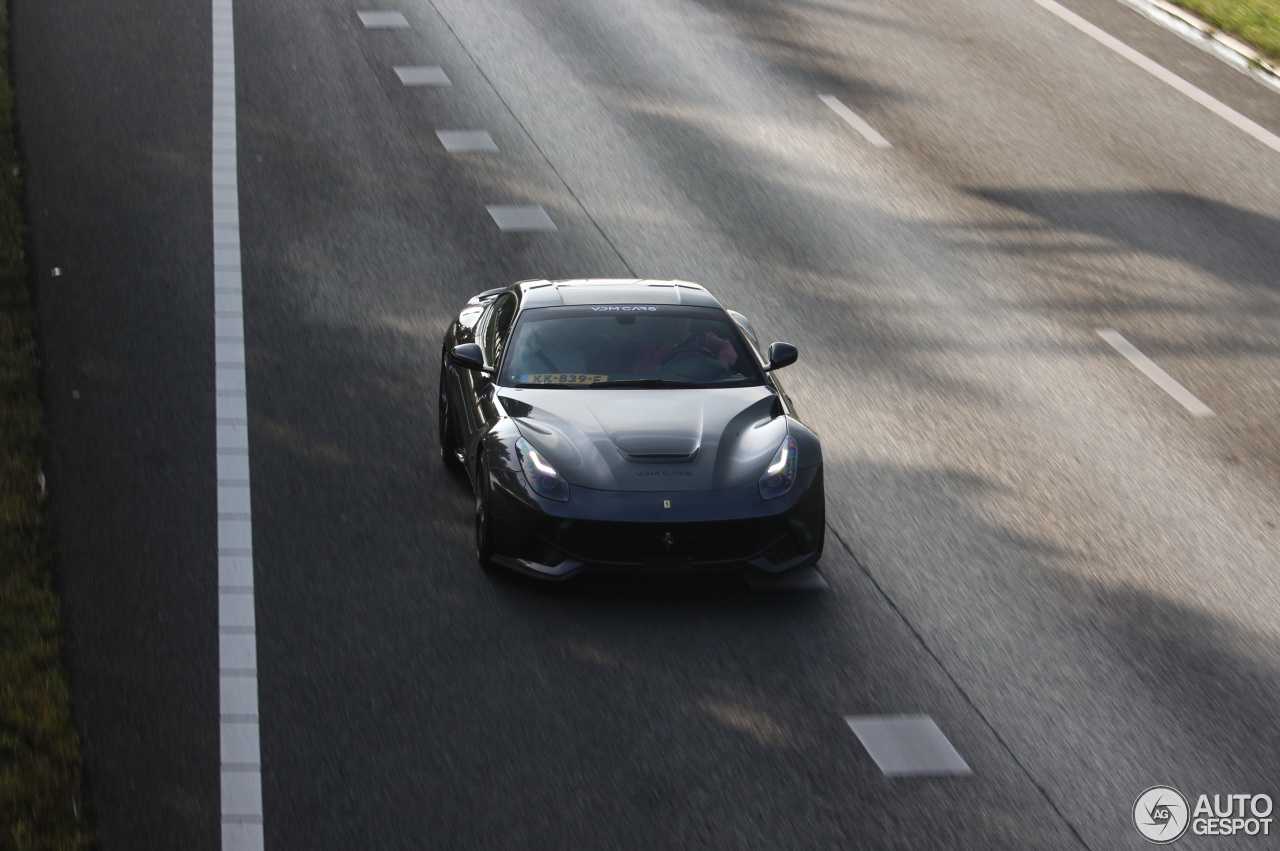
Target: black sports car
pixel 626 425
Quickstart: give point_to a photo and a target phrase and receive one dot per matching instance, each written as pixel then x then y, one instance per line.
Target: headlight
pixel 780 475
pixel 542 477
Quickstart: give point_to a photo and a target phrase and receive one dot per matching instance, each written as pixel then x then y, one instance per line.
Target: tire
pixel 484 517
pixel 444 426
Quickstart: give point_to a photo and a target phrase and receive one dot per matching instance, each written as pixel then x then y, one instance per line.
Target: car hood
pixel 651 439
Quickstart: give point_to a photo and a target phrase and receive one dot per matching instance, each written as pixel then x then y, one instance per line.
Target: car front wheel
pixel 484 517
pixel 448 446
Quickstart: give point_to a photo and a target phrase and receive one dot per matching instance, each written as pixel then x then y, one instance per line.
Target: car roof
pixel 613 291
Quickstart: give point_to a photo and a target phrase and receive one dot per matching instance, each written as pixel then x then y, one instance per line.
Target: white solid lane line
pixel 907 745
pixel 422 75
pixel 1163 74
pixel 1149 368
pixel 855 121
pixel 241 769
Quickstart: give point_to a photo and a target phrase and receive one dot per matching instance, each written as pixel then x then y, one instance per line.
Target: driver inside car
pixel 541 351
pixel 652 355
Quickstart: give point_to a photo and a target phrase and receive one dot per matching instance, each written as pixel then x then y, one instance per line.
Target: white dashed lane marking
pixel 461 141
pixel 907 745
pixel 520 218
pixel 1151 370
pixel 855 121
pixel 383 20
pixel 422 75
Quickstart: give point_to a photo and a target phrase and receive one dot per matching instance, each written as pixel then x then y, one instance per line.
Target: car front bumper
pixel 654 532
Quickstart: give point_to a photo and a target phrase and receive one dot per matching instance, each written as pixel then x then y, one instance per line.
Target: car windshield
pixel 603 346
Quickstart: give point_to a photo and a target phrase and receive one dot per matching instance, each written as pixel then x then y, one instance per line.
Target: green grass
pixel 1254 21
pixel 39 752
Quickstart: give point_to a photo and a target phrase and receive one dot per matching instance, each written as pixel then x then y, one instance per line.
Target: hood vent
pixel 659 458
pixel 658 448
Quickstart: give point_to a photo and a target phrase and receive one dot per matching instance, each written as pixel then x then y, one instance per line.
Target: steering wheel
pixel 706 367
pixel 686 350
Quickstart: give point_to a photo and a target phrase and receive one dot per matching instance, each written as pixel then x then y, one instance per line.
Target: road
pixel 1031 542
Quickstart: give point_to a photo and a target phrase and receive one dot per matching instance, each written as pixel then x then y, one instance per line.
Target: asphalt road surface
pixel 1031 542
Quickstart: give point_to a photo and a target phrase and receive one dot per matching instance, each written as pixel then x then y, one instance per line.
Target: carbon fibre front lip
pixel 564 570
pixel 572 567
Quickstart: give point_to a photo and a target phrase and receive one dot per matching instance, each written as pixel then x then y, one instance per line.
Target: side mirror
pixel 781 354
pixel 470 356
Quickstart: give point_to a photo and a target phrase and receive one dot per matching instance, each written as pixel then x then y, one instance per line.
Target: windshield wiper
pixel 544 385
pixel 644 382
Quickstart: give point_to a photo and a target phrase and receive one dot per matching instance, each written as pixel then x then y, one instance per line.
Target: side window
pixel 481 330
pixel 497 328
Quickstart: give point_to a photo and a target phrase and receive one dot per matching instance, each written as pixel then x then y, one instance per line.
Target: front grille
pixel 636 543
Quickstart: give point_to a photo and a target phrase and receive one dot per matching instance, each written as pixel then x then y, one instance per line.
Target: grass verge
pixel 1256 22
pixel 39 752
